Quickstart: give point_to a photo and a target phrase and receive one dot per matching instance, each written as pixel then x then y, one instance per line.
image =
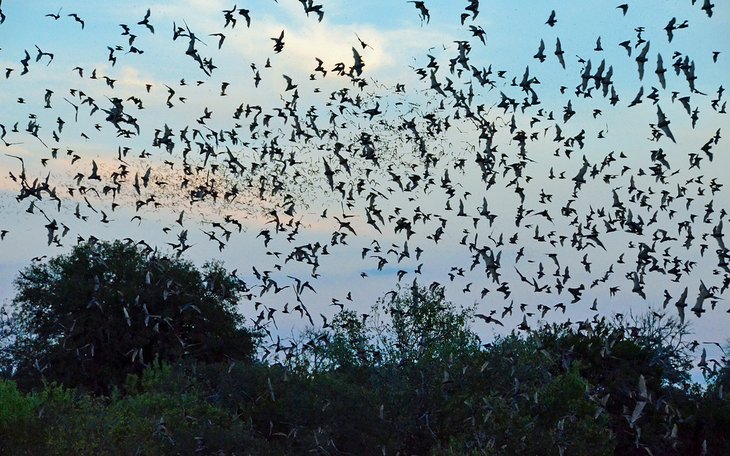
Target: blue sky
pixel 399 43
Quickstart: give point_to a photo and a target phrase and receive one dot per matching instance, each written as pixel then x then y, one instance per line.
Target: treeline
pixel 410 378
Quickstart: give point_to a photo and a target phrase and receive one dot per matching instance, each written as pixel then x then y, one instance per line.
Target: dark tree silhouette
pixel 106 310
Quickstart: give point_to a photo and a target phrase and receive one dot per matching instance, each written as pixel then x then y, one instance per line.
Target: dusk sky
pixel 608 207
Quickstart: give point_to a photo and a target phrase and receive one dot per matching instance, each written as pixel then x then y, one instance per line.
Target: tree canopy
pixel 106 310
pixel 409 377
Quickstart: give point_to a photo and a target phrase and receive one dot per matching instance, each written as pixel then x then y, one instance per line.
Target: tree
pixel 424 325
pixel 666 338
pixel 638 372
pixel 106 310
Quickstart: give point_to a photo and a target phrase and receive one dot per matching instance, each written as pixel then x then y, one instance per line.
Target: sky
pixel 420 101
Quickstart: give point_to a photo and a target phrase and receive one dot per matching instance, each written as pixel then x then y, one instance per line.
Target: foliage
pixel 413 380
pixel 666 338
pixel 412 326
pixel 106 310
pixel 16 415
pixel 162 414
pixel 423 325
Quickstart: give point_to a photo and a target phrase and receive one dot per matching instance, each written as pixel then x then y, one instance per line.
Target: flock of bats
pixel 459 160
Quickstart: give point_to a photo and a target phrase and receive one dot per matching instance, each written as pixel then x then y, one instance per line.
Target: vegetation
pixel 409 378
pixel 106 310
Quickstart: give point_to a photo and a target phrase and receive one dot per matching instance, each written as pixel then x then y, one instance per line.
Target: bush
pixel 17 420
